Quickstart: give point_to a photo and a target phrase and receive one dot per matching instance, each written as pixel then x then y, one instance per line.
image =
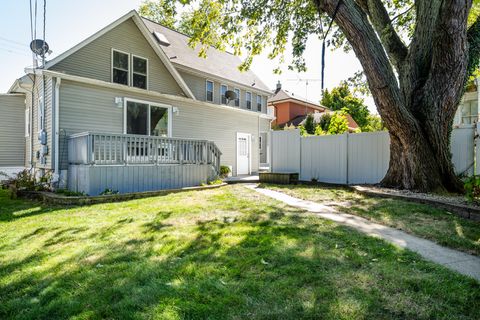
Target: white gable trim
pixel 143 29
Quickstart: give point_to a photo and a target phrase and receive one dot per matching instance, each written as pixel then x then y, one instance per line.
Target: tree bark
pixel 418 103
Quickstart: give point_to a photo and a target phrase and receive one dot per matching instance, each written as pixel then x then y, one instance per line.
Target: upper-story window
pixel 259 103
pixel 237 97
pixel 248 98
pixel 139 72
pixel 223 91
pixel 209 88
pixel 120 67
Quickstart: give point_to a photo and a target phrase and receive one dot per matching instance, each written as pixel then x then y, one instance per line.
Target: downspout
pixel 56 117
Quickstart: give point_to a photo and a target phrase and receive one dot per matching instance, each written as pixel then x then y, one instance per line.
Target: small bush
pixel 215 182
pixel 472 188
pixel 224 171
pixel 108 192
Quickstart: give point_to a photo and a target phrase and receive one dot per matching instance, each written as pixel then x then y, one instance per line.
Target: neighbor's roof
pixel 284 95
pixel 218 63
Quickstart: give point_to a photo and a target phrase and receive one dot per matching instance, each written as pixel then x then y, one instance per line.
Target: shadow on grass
pixel 269 264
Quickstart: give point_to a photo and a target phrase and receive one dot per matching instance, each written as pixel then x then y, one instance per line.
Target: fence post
pixel 346 153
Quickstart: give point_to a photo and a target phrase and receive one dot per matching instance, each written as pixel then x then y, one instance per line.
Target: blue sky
pixel 69 22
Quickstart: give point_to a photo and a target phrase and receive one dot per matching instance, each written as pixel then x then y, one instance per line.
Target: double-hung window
pixel 147 119
pixel 120 67
pixel 139 72
pixel 209 89
pixel 259 103
pixel 223 91
pixel 248 98
pixel 237 97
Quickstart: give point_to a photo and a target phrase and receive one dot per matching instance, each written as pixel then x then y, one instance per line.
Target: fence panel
pixel 285 151
pixel 462 147
pixel 360 158
pixel 324 158
pixel 368 157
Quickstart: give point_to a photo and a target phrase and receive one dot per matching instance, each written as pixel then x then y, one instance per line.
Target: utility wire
pixel 324 38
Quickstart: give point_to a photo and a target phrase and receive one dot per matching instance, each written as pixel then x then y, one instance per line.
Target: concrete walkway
pixel 455 260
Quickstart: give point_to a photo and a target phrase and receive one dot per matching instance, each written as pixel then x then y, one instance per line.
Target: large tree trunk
pixel 418 102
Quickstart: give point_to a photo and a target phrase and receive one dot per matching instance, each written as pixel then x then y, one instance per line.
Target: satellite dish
pixel 39 47
pixel 230 95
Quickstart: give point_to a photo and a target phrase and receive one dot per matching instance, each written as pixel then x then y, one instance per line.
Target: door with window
pixel 243 153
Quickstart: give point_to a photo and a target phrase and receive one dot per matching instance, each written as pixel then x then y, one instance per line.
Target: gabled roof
pixel 218 63
pixel 285 95
pixel 148 36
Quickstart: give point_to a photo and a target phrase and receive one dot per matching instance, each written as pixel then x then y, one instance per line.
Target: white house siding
pixel 197 85
pixel 12 132
pixel 91 108
pixel 94 60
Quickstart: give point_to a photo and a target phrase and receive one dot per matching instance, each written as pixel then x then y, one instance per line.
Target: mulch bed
pixel 456 204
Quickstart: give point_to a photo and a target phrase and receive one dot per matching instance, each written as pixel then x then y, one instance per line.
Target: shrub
pixel 108 192
pixel 309 124
pixel 215 182
pixel 472 188
pixel 224 171
pixel 325 121
pixel 338 123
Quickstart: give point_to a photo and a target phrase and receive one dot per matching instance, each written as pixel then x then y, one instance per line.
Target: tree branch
pixel 396 49
pixel 353 22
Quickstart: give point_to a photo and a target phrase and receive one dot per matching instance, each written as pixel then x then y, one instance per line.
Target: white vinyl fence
pixel 359 158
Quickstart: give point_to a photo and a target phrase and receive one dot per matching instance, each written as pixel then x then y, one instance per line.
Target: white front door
pixel 243 153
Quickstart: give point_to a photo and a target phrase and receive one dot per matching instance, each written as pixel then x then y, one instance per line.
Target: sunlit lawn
pixel 422 220
pixel 227 253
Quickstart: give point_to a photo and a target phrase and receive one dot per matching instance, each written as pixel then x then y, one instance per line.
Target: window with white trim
pixel 223 91
pixel 120 67
pixel 248 99
pixel 41 115
pixel 259 103
pixel 209 90
pixel 237 97
pixel 27 122
pixel 139 72
pixel 147 119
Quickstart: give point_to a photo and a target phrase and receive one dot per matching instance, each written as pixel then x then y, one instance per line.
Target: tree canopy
pixel 341 97
pixel 416 56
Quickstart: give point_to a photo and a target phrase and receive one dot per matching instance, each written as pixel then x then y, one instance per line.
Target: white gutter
pixel 56 118
pixel 167 96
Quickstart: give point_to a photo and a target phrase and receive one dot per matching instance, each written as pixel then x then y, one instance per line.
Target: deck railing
pixel 125 149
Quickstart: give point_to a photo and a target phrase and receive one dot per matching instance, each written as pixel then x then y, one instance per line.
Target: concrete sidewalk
pixel 455 260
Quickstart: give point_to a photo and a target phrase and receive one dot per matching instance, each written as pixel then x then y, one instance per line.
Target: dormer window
pixel 120 67
pixel 139 72
pixel 209 88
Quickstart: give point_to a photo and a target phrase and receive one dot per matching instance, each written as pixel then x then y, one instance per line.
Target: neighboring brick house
pixel 291 109
pixel 288 106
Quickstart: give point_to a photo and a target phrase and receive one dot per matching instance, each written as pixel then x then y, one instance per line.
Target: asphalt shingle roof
pixel 218 63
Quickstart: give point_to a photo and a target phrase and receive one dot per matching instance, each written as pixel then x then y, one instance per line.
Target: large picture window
pixel 120 67
pixel 139 72
pixel 147 119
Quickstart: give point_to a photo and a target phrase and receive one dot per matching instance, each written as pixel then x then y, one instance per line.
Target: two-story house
pixel 134 108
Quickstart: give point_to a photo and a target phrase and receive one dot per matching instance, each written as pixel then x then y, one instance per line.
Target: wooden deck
pixel 132 163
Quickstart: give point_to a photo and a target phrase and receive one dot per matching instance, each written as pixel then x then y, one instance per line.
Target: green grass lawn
pixel 227 253
pixel 422 220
